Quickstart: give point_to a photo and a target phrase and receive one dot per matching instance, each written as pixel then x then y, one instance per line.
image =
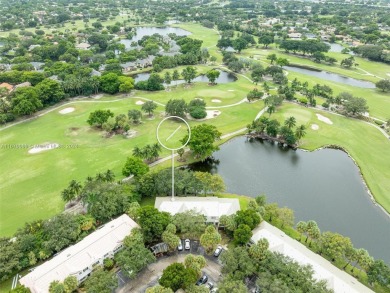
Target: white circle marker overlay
pixel 163 141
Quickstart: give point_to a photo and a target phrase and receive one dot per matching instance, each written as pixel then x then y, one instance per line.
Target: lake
pixel 332 77
pixel 148 31
pixel 324 186
pixel 224 77
pixel 335 47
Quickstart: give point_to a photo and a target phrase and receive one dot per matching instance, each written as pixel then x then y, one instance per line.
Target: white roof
pixel 79 256
pixel 337 280
pixel 208 206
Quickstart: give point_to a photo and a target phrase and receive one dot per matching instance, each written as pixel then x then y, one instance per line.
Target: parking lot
pixel 150 275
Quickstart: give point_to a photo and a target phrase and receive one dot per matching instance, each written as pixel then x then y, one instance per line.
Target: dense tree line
pixel 186 183
pixel 304 46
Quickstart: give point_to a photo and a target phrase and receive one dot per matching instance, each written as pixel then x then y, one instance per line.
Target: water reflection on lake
pixel 324 186
pixel 332 77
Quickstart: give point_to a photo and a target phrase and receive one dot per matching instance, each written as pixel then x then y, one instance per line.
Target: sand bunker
pixel 230 90
pixel 139 102
pixel 216 101
pixel 212 114
pixel 43 147
pixel 324 119
pixel 315 127
pixel 66 110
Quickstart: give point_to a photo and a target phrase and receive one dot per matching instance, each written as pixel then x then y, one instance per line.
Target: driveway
pixel 150 275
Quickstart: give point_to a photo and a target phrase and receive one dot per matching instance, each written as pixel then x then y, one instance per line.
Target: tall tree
pixel 290 122
pixel 99 117
pixel 101 282
pixel 210 239
pixel 169 237
pixel 153 222
pixel 242 234
pixel 149 107
pixel 189 73
pixel 134 256
pixel 176 107
pixel 202 140
pixel 212 75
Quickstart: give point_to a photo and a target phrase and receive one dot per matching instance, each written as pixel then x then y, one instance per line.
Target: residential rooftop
pixel 336 279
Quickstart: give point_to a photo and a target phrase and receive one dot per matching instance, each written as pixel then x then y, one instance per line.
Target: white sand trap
pixel 43 147
pixel 139 102
pixel 212 114
pixel 216 101
pixel 66 110
pixel 315 127
pixel 324 119
pixel 230 90
pixel 388 74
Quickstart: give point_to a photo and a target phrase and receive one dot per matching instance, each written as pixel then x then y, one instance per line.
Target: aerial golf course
pixel 31 183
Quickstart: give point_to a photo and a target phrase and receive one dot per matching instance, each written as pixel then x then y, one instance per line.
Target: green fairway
pixel 31 183
pixel 367 145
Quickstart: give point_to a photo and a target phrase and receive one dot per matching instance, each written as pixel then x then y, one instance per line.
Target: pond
pixel 224 77
pixel 324 186
pixel 335 47
pixel 148 31
pixel 332 77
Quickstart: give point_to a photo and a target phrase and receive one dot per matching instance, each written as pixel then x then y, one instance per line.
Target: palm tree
pixel 100 177
pixel 75 188
pixel 137 152
pixel 300 132
pixel 301 228
pixel 290 122
pixel 67 195
pixel 156 149
pixel 109 176
pixel 148 152
pixel 271 109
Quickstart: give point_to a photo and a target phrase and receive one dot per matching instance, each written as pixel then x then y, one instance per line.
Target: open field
pixel 31 183
pixel 367 146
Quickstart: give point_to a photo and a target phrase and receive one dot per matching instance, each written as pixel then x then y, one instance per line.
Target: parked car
pixel 180 246
pixel 187 244
pixel 202 280
pixel 210 285
pixel 218 251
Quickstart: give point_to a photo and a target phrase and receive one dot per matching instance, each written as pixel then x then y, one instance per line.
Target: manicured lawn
pixel 31 183
pixel 369 148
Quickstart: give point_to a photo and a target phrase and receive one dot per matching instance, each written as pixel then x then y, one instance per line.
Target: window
pixel 85 269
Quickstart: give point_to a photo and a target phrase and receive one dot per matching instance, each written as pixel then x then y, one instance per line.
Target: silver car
pixel 180 246
pixel 187 244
